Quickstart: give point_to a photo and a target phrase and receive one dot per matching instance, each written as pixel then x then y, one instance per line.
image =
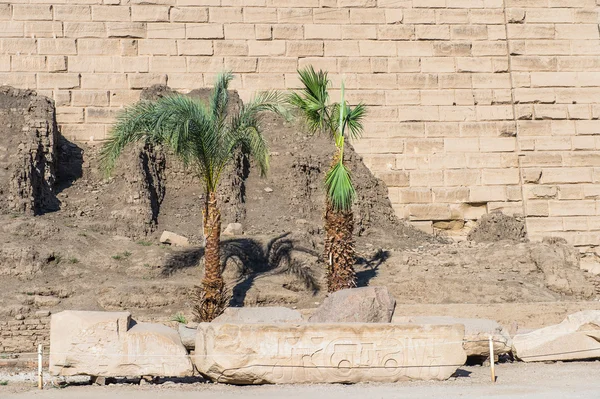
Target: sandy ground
pixel 516 380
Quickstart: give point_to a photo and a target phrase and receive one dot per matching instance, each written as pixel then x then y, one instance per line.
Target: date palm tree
pixel 339 121
pixel 206 139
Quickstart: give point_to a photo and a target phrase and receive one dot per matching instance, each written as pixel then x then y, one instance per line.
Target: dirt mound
pixel 27 175
pixel 497 226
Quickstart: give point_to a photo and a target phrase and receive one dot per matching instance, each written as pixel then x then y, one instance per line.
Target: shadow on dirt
pixel 253 260
pixel 370 266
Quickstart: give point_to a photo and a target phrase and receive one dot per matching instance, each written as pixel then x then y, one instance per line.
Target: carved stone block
pixel 327 353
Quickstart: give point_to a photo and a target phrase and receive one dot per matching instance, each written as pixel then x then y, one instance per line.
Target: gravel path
pixel 518 380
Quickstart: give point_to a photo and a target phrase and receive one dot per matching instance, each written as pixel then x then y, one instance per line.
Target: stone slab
pixel 576 338
pixel 327 353
pixel 111 344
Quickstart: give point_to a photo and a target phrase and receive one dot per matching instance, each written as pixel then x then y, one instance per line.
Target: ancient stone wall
pixel 475 105
pixel 22 335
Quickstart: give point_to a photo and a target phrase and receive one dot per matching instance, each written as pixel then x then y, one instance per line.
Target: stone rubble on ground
pixel 576 338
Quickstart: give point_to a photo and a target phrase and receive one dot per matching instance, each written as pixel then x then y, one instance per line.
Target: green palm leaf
pixel 338 184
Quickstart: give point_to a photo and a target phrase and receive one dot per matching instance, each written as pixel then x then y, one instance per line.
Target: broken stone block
pixel 356 305
pixel 575 338
pixel 111 344
pixel 327 353
pixel 168 237
pixel 477 332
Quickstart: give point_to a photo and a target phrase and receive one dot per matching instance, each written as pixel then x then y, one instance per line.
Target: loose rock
pixel 233 229
pixel 356 305
pixel 168 237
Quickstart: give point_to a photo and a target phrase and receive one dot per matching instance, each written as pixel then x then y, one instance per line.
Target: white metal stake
pixel 40 372
pixel 492 366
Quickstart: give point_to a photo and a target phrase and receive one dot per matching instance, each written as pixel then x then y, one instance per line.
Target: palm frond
pixel 133 124
pixel 354 118
pixel 313 99
pixel 338 184
pixel 219 99
pixel 246 129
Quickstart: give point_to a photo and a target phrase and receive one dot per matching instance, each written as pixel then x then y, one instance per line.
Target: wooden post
pixel 40 370
pixel 492 366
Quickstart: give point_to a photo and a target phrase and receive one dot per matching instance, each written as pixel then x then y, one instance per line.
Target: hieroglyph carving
pixel 327 353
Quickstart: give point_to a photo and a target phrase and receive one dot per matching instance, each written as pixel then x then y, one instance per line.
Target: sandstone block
pixel 577 337
pixel 30 12
pixel 110 344
pixel 327 353
pixel 166 31
pixel 356 305
pixel 126 29
pixel 267 314
pixel 168 237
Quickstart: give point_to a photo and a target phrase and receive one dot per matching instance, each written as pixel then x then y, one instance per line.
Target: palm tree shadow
pixel 370 266
pixel 253 260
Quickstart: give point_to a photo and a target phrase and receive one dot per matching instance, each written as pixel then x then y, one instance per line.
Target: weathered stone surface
pixel 356 305
pixel 187 335
pixel 477 332
pixel 577 337
pixel 267 314
pixel 168 237
pixel 327 353
pixel 233 229
pixel 110 344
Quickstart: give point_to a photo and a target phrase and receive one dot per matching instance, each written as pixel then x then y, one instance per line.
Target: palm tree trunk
pixel 213 287
pixel 339 249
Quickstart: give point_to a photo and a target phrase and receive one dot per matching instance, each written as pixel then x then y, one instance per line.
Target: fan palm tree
pixel 340 121
pixel 206 139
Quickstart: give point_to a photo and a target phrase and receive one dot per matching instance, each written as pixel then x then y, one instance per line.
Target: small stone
pixel 233 229
pixel 19 317
pixel 301 222
pixel 42 313
pixel 168 237
pixel 98 380
pixel 268 189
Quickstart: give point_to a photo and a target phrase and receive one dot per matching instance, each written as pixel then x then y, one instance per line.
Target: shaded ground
pixel 516 380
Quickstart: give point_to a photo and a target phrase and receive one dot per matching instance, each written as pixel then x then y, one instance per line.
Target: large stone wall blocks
pixel 327 353
pixel 111 344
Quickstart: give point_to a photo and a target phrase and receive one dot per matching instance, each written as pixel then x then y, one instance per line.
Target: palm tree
pixel 339 120
pixel 206 139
